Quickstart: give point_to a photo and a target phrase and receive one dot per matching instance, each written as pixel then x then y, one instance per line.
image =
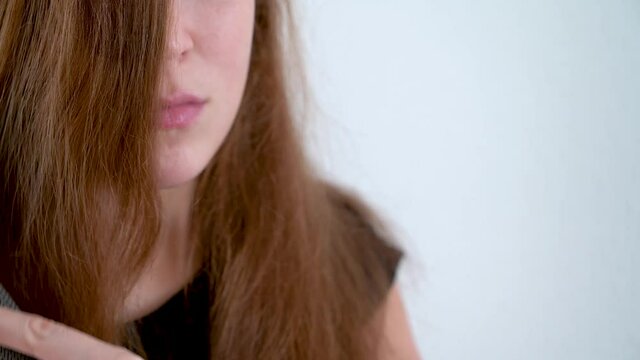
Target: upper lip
pixel 181 98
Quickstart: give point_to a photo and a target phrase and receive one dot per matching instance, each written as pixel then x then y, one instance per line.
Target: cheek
pixel 225 43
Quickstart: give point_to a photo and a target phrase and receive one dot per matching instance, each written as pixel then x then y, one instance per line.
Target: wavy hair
pixel 294 268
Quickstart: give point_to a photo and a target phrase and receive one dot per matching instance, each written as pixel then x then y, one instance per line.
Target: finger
pixel 45 339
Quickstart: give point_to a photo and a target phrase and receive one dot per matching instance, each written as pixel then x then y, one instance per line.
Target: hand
pixel 46 339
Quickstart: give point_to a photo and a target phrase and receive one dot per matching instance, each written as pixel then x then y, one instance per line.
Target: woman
pixel 157 199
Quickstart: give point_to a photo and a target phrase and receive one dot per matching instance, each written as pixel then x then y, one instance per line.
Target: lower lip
pixel 180 116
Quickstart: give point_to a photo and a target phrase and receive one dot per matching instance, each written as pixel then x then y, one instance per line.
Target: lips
pixel 180 110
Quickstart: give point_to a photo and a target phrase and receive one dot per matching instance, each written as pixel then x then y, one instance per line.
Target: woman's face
pixel 208 62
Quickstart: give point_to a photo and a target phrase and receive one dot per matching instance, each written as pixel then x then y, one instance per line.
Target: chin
pixel 182 155
pixel 175 169
pixel 171 178
pixel 174 178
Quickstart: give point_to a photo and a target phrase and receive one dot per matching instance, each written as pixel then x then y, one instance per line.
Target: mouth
pixel 180 110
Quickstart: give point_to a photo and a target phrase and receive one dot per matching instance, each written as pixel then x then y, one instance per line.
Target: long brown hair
pixel 294 262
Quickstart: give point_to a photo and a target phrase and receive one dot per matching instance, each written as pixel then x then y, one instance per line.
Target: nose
pixel 180 41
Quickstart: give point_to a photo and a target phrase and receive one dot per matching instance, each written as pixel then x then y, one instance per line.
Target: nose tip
pixel 180 41
pixel 180 44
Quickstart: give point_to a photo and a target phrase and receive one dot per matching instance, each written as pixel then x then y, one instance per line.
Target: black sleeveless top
pixel 179 329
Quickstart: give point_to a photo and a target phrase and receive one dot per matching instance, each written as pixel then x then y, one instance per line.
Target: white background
pixel 502 138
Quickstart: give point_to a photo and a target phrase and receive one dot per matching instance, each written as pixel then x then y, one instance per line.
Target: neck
pixel 176 209
pixel 176 257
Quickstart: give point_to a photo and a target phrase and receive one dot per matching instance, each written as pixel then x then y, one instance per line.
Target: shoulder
pixel 368 238
pixel 398 340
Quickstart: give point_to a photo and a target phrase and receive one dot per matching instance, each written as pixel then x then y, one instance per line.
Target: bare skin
pixel 176 260
pixel 398 343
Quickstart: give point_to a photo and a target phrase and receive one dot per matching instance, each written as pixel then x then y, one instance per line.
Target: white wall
pixel 503 138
